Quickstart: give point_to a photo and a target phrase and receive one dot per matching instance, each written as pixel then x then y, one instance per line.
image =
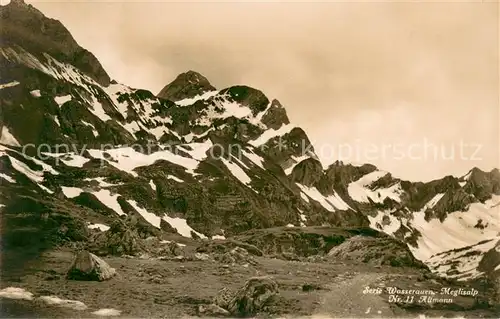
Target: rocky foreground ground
pixel 187 285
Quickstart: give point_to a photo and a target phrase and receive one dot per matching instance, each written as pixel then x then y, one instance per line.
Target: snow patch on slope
pixel 45 167
pixel 197 151
pixel 359 190
pixel 110 200
pixel 457 230
pixel 304 197
pixel 296 160
pixel 153 185
pixel 101 227
pixel 462 263
pixel 237 171
pixel 256 159
pixel 7 178
pixel 60 100
pixel 127 159
pixel 192 100
pixel 434 201
pixel 8 85
pixel 35 176
pixel 175 178
pixel 94 131
pixel 36 93
pixel 151 218
pixel 98 110
pixel 69 159
pixel 331 203
pixel 71 192
pixel 180 224
pixel 7 138
pixel 270 134
pixel 385 221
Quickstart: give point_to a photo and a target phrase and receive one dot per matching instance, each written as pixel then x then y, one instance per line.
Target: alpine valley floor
pixel 154 288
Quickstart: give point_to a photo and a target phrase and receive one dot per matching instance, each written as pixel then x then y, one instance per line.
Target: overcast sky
pixel 390 79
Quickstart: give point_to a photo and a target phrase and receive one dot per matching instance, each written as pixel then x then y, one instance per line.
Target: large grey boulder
pixel 88 266
pixel 252 297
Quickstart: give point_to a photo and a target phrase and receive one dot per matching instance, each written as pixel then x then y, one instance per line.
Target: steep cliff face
pixel 79 151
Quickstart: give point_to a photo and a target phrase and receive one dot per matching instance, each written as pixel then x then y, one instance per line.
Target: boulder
pixel 237 255
pixel 118 240
pixel 252 297
pixel 212 310
pixel 88 266
pixel 223 297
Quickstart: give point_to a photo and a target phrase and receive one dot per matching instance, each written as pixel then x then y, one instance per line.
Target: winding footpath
pixel 345 299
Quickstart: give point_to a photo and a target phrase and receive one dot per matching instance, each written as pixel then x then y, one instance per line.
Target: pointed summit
pixel 186 85
pixel 18 2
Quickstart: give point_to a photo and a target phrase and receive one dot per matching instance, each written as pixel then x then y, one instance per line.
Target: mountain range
pixel 82 155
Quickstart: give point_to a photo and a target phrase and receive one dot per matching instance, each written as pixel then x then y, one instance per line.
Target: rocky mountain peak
pixel 192 77
pixel 17 2
pixel 13 2
pixel 476 170
pixel 26 27
pixel 482 184
pixel 186 85
pixel 495 173
pixel 20 6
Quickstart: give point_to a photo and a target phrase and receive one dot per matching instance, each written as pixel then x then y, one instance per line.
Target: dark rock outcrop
pixel 235 256
pixel 118 240
pixel 247 96
pixel 294 143
pixel 490 263
pixel 483 184
pixel 276 116
pixel 452 201
pixel 375 251
pixel 252 297
pixel 226 246
pixel 88 266
pixel 300 241
pixel 308 172
pixel 338 175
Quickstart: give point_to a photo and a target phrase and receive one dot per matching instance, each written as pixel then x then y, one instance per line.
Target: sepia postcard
pixel 249 159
